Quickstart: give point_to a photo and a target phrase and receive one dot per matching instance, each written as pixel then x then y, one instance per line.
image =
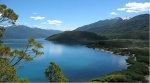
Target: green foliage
pixel 112 78
pixel 134 73
pixel 31 51
pixel 8 73
pixel 138 52
pixel 7 14
pixel 139 68
pixel 8 58
pixel 75 37
pixel 120 43
pixel 54 73
pixel 144 59
pixel 131 75
pixel 131 60
pixel 127 75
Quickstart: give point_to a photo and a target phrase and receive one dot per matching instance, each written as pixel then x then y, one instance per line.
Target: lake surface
pixel 78 63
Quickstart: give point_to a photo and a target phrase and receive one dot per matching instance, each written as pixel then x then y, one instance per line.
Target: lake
pixel 77 62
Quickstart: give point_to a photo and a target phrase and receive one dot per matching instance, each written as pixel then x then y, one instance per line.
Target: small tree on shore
pixel 54 73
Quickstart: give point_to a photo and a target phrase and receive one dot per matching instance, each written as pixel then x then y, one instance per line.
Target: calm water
pixel 78 63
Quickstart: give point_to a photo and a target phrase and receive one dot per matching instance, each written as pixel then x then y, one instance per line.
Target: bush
pixel 112 78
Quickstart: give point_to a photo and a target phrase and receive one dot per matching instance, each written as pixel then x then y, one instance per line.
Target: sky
pixel 71 14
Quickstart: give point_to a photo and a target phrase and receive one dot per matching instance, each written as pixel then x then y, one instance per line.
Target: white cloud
pixel 37 17
pixel 113 13
pixel 55 22
pixel 135 7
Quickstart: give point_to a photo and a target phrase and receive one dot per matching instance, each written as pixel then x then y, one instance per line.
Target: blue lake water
pixel 78 63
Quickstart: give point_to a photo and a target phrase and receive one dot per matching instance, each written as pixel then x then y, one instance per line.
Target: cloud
pixel 113 13
pixel 55 22
pixel 37 17
pixel 135 7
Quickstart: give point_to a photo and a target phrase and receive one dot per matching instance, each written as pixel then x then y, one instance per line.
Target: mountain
pixel 134 28
pixel 100 24
pixel 126 18
pixel 21 31
pixel 75 36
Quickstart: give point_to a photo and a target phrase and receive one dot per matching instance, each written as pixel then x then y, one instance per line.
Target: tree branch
pixel 22 56
pixel 12 59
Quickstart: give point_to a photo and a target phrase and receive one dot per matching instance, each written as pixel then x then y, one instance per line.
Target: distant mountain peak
pixel 46 29
pixel 126 18
pixel 100 24
pixel 116 18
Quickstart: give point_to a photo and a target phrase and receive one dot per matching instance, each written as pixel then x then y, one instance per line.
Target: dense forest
pixel 76 37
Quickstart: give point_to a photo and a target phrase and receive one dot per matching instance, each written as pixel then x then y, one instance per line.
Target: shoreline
pixel 147 77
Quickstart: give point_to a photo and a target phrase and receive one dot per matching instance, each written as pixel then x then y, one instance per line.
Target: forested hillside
pixel 134 28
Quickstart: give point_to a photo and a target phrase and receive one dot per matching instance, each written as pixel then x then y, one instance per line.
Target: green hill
pixel 75 36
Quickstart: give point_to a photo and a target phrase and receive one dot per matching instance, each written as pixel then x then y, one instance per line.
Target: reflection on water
pixel 78 63
pixel 56 50
pixel 121 62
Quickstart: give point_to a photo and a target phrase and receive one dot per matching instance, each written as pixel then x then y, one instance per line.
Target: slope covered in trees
pixel 100 24
pixel 134 28
pixel 75 36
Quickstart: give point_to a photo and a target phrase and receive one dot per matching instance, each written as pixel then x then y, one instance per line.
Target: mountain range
pixel 22 32
pixel 128 28
pixel 100 24
pixel 133 28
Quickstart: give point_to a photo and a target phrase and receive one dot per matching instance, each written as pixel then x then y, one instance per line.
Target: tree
pixel 54 73
pixel 8 58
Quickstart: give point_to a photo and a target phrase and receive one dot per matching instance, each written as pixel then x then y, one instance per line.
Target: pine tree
pixel 54 73
pixel 8 58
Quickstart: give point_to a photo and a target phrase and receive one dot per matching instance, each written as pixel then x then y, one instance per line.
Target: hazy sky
pixel 70 14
